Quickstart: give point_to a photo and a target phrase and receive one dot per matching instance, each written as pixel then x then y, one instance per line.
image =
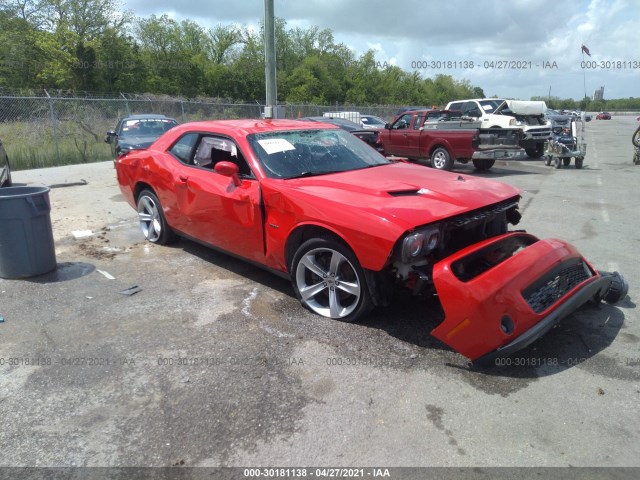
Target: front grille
pixel 555 284
pixel 539 132
pixel 483 213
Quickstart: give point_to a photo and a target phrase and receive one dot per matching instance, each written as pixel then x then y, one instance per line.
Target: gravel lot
pixel 215 363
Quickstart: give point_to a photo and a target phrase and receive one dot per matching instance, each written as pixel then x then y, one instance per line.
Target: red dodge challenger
pixel 348 226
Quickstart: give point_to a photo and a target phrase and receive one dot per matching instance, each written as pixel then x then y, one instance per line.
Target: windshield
pixel 305 153
pixel 490 105
pixel 146 127
pixel 372 121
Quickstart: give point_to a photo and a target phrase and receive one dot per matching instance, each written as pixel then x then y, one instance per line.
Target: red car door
pixel 217 211
pixel 397 136
pixel 412 136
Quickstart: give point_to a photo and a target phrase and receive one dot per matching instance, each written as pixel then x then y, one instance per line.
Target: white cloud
pixel 518 30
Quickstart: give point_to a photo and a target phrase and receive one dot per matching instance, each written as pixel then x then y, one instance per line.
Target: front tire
pixel 535 152
pixel 153 225
pixel 441 160
pixel 9 182
pixel 483 164
pixel 557 162
pixel 328 280
pixel 579 162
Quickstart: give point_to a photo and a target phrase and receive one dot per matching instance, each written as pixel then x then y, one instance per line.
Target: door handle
pixel 183 178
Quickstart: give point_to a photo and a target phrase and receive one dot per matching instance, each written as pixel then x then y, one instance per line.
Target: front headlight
pixel 421 242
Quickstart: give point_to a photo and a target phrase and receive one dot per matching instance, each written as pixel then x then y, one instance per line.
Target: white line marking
pixel 605 213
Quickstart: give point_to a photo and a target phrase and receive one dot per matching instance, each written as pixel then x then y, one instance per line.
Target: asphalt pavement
pixel 213 362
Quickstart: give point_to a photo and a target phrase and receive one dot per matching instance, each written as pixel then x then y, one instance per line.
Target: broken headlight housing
pixel 420 243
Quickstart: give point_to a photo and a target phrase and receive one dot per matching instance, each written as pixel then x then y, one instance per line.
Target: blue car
pixel 137 131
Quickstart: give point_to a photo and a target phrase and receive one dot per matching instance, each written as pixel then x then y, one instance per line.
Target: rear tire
pixel 483 164
pixel 566 161
pixel 151 218
pixel 441 160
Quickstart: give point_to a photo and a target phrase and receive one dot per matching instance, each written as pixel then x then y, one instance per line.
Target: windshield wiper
pixel 314 173
pixel 376 165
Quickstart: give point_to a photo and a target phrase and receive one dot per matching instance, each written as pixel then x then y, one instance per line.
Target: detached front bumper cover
pixel 504 293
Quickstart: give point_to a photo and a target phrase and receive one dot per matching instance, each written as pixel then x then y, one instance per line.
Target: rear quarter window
pixel 183 148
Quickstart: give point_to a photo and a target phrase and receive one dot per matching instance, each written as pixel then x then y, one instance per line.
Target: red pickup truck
pixel 443 137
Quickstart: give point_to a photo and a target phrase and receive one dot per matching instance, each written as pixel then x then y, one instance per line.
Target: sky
pixel 517 48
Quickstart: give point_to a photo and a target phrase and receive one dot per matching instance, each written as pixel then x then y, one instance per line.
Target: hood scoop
pixel 405 193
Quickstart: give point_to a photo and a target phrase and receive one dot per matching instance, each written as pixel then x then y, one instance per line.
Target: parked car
pixel 5 168
pixel 496 112
pixel 367 136
pixel 603 116
pixel 433 136
pixel 371 122
pixel 137 131
pixel 348 226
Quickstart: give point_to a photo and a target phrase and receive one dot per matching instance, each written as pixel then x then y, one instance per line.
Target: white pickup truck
pixel 496 113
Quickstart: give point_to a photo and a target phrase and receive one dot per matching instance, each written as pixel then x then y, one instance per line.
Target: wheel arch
pixel 379 285
pixel 302 233
pixel 140 186
pixel 440 144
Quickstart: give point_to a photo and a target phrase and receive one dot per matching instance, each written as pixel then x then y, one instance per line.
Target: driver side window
pixel 403 122
pixel 471 109
pixel 213 149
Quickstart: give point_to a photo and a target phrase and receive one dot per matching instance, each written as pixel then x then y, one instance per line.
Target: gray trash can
pixel 26 236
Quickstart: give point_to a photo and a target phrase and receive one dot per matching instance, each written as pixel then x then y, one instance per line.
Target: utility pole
pixel 270 60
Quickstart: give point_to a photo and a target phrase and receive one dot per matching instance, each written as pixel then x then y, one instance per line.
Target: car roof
pixel 148 116
pixel 249 126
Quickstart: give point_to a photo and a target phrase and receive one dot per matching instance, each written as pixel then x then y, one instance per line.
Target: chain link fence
pixel 45 129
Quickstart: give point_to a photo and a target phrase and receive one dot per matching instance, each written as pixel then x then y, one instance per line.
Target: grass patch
pixel 32 145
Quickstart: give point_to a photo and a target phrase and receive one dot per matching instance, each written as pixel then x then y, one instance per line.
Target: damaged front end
pixel 502 294
pixel 499 290
pixel 418 251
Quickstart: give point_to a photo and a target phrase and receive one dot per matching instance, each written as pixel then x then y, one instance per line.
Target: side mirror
pixel 387 126
pixel 109 137
pixel 228 169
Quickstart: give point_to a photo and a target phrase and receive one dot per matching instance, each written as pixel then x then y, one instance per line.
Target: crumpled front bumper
pixel 501 294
